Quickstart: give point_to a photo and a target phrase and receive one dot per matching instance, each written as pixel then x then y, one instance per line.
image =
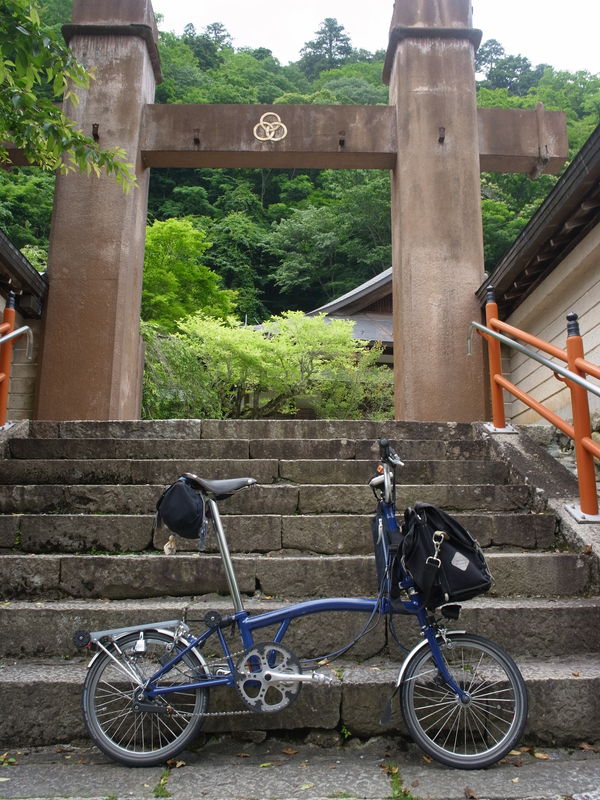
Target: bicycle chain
pixel 216 660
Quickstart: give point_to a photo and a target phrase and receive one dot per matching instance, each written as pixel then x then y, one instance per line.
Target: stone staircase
pixel 78 550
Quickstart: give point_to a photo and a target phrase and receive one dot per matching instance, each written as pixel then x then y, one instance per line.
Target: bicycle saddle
pixel 219 488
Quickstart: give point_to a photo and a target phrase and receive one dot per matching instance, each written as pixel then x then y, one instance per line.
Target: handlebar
pixel 388 455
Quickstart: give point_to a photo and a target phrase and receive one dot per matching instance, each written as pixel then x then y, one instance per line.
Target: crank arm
pixel 300 677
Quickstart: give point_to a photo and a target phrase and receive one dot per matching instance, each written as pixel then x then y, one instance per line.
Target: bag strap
pixel 432 565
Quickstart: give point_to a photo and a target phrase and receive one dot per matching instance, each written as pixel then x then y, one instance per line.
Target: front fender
pixel 416 649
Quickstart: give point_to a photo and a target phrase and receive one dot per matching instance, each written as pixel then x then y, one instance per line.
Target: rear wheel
pixel 472 734
pixel 146 732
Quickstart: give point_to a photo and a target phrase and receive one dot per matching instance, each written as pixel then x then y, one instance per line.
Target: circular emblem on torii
pixel 270 128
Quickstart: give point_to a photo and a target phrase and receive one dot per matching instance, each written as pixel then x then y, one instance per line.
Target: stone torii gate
pixel 431 137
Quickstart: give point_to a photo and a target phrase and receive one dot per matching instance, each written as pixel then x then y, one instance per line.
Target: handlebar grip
pixel 388 454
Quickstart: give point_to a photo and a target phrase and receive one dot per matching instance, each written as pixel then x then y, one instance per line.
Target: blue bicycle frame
pixel 247 624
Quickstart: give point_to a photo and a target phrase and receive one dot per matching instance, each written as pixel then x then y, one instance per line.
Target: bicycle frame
pixel 247 624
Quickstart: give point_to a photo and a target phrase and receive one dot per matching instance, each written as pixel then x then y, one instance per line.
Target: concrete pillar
pixel 91 364
pixel 436 211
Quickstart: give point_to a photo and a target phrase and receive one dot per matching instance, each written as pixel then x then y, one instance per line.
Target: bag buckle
pixel 437 538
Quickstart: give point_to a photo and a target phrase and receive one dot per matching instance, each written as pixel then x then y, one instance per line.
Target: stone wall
pixel 572 286
pixel 24 371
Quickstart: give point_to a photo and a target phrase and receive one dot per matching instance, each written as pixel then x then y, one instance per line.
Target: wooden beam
pixel 522 140
pixel 300 136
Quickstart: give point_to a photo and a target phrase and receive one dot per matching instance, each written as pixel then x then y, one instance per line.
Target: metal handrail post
pixel 495 362
pixel 8 325
pixel 586 474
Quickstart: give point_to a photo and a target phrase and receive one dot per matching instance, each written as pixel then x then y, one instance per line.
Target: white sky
pixel 562 33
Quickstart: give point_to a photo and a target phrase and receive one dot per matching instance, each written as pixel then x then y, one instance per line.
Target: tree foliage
pixel 217 369
pixel 36 69
pixel 176 283
pixel 330 49
pixel 294 239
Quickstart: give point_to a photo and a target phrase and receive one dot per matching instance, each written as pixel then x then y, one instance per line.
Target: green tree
pixel 214 368
pixel 238 256
pixel 36 69
pixel 176 283
pixel 26 198
pixel 488 54
pixel 329 50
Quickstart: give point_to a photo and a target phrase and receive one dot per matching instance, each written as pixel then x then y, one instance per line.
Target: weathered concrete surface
pixel 79 448
pixel 524 626
pixel 8 531
pixel 133 576
pixel 326 499
pixel 131 471
pixel 118 429
pixel 422 472
pixel 564 702
pixel 286 766
pixel 332 429
pixel 133 499
pixel 327 534
pixel 52 533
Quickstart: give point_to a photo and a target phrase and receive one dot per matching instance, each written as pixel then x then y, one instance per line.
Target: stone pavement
pixel 282 769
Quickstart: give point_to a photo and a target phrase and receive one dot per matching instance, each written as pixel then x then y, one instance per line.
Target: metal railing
pixel 8 335
pixel 574 376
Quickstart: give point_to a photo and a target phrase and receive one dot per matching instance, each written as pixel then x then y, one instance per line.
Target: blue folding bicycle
pixel 146 691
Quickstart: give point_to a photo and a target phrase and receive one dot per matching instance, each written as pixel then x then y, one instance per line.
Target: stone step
pixel 328 534
pixel 41 702
pixel 264 471
pixel 132 576
pixel 79 448
pixel 250 429
pixel 275 499
pixel 524 626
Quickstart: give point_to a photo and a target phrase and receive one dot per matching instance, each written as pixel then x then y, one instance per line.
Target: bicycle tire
pixel 143 738
pixel 471 736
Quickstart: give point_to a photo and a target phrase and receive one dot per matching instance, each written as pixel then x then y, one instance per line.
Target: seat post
pixel 226 557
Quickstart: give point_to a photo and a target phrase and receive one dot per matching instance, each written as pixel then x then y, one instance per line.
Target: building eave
pixel 565 217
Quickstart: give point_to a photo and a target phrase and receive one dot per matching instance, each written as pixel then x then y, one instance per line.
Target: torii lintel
pixel 335 137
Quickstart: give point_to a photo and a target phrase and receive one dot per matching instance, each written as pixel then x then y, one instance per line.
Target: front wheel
pixel 472 734
pixel 142 734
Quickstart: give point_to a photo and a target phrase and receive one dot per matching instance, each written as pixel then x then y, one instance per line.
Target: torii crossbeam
pixel 431 137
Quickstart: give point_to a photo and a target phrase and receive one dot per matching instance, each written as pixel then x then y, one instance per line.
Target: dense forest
pixel 258 242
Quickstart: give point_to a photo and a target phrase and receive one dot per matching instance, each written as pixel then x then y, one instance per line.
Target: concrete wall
pixel 573 286
pixel 24 372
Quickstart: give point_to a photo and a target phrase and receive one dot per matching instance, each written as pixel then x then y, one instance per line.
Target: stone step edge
pixel 229 429
pixel 356 701
pixel 181 607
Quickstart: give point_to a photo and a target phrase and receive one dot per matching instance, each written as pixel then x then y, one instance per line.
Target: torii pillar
pixel 92 357
pixel 436 210
pixel 431 137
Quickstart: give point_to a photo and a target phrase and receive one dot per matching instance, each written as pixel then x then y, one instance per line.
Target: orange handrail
pixel 7 327
pixel 577 368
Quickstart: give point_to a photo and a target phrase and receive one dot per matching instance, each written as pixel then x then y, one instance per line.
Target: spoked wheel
pixel 143 732
pixel 472 734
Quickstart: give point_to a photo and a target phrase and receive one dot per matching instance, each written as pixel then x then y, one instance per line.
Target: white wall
pixel 573 286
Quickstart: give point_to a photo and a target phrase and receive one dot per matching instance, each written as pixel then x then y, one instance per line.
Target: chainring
pixel 252 682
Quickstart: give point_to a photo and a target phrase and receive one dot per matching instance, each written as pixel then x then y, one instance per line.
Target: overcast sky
pixel 562 33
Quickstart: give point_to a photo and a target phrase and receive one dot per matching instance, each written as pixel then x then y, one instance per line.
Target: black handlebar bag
pixel 443 559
